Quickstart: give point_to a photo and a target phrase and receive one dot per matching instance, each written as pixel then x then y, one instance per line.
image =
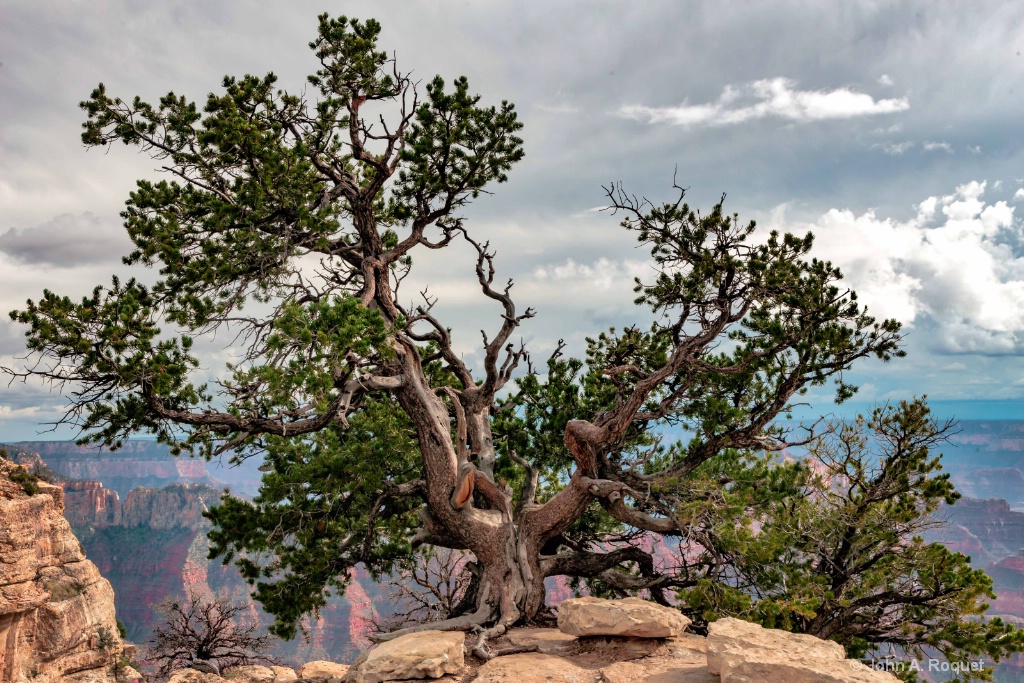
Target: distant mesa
pixel 140 463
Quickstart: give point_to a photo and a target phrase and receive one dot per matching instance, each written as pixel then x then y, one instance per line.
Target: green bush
pixel 29 482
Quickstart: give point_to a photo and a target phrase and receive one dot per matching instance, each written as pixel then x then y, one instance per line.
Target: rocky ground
pixel 597 641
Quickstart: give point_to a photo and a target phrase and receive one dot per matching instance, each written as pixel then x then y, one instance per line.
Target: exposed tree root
pixel 513 650
pixel 480 649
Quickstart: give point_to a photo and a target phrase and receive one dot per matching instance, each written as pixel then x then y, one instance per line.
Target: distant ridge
pixel 140 462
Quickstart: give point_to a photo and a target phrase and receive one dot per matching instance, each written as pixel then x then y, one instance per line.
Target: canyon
pixel 154 546
pixel 138 515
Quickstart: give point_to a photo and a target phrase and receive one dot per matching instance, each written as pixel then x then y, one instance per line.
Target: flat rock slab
pixel 193 676
pixel 734 640
pixel 630 617
pixel 250 674
pixel 322 670
pixel 658 670
pixel 548 641
pixel 284 674
pixel 689 647
pixel 534 667
pixel 742 652
pixel 599 651
pixel 426 654
pixel 762 667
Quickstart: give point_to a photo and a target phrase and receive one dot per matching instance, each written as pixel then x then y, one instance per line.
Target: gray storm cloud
pixel 67 241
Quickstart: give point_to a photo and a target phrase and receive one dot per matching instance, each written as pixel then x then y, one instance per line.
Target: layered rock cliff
pixel 57 618
pixel 142 546
pixel 153 546
pixel 89 504
pixel 987 529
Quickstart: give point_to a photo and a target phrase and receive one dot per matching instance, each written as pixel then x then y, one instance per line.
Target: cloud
pixel 8 413
pixel 557 108
pixel 772 97
pixel 1018 195
pixel 894 148
pixel 953 265
pixel 601 275
pixel 589 212
pixel 884 79
pixel 67 240
pixel 12 340
pixel 936 146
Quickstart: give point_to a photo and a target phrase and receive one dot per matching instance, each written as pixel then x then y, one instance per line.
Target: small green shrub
pixel 29 482
pixel 107 640
pixel 63 590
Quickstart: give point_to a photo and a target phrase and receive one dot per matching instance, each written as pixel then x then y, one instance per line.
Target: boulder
pixel 283 674
pixel 250 674
pixel 533 667
pixel 425 654
pixel 630 617
pixel 322 671
pixel 759 666
pixel 742 652
pixel 735 639
pixel 193 676
pixel 549 641
pixel 657 670
pixel 128 674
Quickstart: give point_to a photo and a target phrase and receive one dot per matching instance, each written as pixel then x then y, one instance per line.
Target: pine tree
pixel 289 220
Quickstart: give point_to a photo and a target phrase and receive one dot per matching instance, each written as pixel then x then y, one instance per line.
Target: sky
pixel 891 130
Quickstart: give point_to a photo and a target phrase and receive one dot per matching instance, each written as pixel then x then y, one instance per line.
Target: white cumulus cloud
pixel 771 97
pixel 894 148
pixel 938 146
pixel 602 275
pixel 954 263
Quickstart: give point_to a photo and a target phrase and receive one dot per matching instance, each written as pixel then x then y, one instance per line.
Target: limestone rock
pixel 127 674
pixel 688 646
pixel 549 641
pixel 283 674
pixel 627 617
pixel 735 639
pixel 758 666
pixel 193 676
pixel 533 667
pixel 322 671
pixel 56 611
pixel 658 669
pixel 426 654
pixel 250 674
pixel 741 652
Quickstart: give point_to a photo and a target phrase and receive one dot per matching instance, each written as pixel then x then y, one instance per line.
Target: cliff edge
pixel 57 618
